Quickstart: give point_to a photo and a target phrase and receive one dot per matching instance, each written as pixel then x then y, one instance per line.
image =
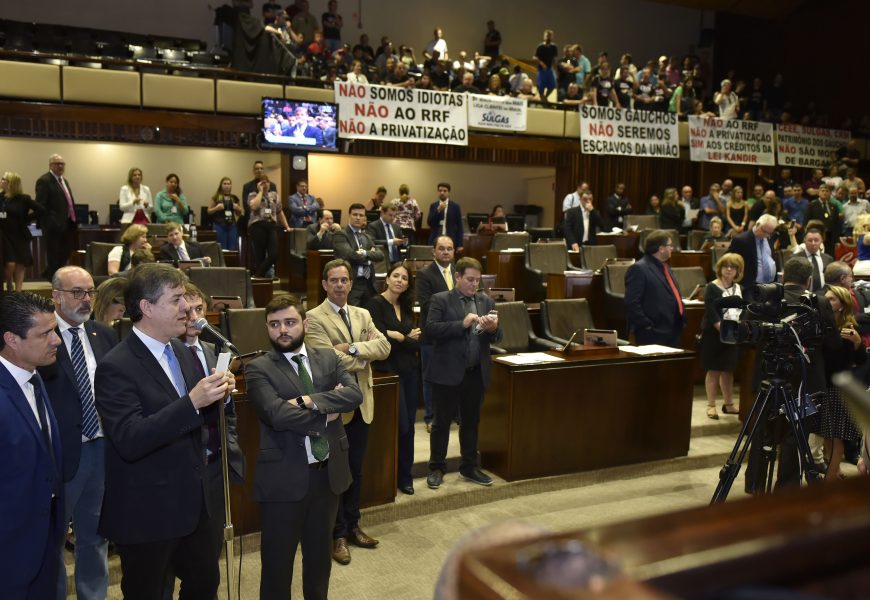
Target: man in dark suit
pixel 653 303
pixel 812 251
pixel 822 209
pixel 582 223
pixel 320 233
pixel 445 217
pixel 748 244
pixel 152 401
pixel 298 392
pixel 461 323
pixel 32 499
pixel 432 279
pixel 386 233
pixel 58 219
pixel 358 248
pixel 797 275
pixel 69 383
pixel 205 354
pixel 302 127
pixel 178 249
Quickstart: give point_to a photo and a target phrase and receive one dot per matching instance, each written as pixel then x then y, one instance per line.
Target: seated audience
pixel 134 238
pixel 496 221
pixel 716 236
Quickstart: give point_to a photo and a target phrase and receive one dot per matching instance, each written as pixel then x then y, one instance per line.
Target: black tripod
pixel 773 404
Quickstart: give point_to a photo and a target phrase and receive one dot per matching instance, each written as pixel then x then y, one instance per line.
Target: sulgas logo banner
pixel 497 112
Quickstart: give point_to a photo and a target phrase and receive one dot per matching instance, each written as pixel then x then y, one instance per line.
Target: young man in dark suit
pixel 387 234
pixel 32 498
pixel 436 277
pixel 69 383
pixel 58 220
pixel 653 303
pixel 461 323
pixel 812 251
pixel 152 400
pixel 358 248
pixel 176 248
pixel 582 223
pixel 299 393
pixel 445 218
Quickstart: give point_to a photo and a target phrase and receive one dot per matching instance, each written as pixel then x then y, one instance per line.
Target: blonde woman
pixel 134 199
pixel 135 237
pixel 17 209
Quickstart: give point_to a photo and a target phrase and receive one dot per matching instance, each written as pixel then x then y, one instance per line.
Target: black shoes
pixel 408 490
pixel 435 479
pixel 476 476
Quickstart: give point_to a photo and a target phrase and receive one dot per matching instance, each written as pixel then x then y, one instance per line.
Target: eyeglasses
pixel 79 293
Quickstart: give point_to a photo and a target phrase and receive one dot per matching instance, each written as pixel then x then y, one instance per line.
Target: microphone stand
pixel 228 521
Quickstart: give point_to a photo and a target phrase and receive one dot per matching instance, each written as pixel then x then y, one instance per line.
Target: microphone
pixel 203 325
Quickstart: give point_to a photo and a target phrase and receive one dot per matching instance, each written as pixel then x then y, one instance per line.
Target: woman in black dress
pixel 672 212
pixel 16 211
pixel 392 313
pixel 836 423
pixel 720 359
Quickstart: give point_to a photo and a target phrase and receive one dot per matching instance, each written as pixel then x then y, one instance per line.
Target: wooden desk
pixel 693 258
pixel 379 467
pixel 694 314
pixel 477 245
pixel 262 289
pixel 314 276
pixel 627 244
pixel 508 267
pixel 588 412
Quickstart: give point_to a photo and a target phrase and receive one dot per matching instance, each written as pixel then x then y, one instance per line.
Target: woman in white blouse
pixel 356 74
pixel 135 199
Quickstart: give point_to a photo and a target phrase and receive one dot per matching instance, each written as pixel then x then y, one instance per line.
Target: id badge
pixel 2 214
pixel 228 214
pixel 267 211
pixel 174 210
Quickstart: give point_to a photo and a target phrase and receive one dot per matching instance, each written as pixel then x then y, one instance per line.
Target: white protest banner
pixel 606 130
pixel 712 139
pixel 497 112
pixel 379 112
pixel 799 146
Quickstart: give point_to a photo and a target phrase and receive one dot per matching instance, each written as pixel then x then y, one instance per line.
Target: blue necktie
pixel 90 422
pixel 175 369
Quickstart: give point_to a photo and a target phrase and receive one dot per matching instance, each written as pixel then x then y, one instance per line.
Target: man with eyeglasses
pixel 69 383
pixel 653 302
pixel 757 252
pixel 58 220
pixel 206 360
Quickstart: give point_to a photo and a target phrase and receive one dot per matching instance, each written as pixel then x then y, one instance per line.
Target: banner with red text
pixel 607 130
pixel 394 114
pixel 497 112
pixel 799 146
pixel 712 139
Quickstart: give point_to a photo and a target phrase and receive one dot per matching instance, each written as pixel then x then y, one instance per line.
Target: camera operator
pixel 797 279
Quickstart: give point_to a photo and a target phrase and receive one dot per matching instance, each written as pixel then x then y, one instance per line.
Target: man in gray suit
pixel 302 467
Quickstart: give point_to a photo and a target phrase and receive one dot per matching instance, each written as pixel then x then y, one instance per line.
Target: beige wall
pixel 96 171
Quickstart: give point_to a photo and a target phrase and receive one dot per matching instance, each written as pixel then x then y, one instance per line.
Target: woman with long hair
pixel 134 199
pixel 393 315
pixel 737 212
pixel 171 206
pixel 17 210
pixel 672 213
pixel 225 210
pixel 109 301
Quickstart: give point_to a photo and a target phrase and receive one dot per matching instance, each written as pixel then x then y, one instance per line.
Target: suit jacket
pixel 52 200
pixel 282 463
pixel 315 243
pixel 155 455
pixel 60 383
pixel 378 231
pixel 428 282
pixel 170 251
pixel 211 415
pixel 345 246
pixel 826 259
pixel 326 329
pixel 454 223
pixel 744 245
pixel 816 211
pixel 444 328
pixel 30 472
pixel 574 226
pixel 649 301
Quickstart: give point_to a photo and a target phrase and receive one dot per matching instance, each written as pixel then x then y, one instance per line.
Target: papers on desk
pixel 512 250
pixel 687 302
pixel 529 358
pixel 579 273
pixel 650 349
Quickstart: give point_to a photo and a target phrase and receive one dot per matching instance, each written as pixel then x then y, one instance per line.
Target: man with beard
pixel 69 383
pixel 298 392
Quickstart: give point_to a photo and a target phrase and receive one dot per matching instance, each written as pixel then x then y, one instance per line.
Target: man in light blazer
pixel 349 330
pixel 80 432
pixel 298 490
pixel 32 499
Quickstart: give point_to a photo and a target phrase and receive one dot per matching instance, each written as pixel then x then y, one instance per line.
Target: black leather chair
pixel 560 318
pixel 541 260
pixel 246 329
pixel 614 289
pixel 593 256
pixel 224 281
pixel 517 332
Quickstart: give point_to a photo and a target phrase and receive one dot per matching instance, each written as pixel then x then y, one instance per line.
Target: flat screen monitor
pixel 295 124
pixel 516 222
pixel 475 219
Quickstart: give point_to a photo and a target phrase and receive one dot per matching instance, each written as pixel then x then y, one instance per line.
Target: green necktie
pixel 319 445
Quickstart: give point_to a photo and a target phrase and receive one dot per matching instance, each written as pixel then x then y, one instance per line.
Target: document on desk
pixel 529 358
pixel 650 349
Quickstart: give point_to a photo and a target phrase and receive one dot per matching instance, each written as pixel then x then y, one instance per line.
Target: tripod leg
pixel 808 468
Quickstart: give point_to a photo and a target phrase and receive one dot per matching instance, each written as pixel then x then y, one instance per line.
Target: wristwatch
pixel 352 350
pixel 300 402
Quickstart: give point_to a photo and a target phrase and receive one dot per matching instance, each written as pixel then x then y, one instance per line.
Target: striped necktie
pixel 90 422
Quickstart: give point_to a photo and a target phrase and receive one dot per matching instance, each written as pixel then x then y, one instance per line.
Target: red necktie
pixel 71 211
pixel 673 287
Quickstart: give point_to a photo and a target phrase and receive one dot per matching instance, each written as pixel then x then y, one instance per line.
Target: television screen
pixel 298 124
